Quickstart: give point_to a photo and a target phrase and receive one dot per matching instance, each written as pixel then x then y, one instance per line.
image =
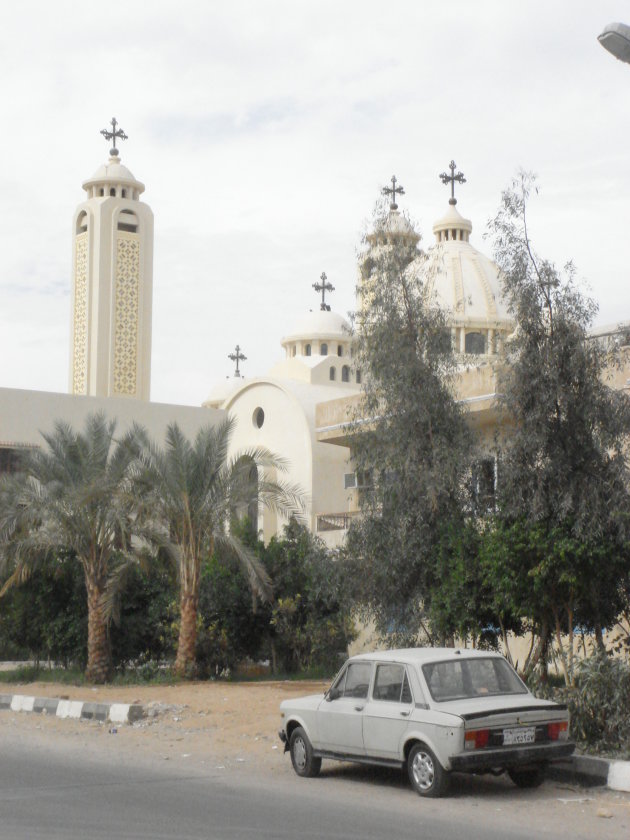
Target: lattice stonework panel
pixel 80 316
pixel 126 314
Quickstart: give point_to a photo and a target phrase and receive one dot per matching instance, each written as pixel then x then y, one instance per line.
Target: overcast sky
pixel 264 131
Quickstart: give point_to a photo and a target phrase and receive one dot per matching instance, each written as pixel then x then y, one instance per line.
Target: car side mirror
pixel 332 694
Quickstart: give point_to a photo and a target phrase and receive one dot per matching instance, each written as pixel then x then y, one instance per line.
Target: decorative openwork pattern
pixel 126 314
pixel 79 350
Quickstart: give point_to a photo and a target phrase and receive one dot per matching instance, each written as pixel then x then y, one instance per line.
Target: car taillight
pixel 558 731
pixel 476 739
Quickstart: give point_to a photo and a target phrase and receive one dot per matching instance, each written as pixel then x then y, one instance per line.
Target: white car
pixel 433 710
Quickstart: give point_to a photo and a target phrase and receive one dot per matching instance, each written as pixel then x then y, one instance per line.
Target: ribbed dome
pixel 112 173
pixel 466 284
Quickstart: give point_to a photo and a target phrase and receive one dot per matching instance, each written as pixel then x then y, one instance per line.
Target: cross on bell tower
pixel 237 357
pixel 450 179
pixel 113 135
pixel 392 191
pixel 324 287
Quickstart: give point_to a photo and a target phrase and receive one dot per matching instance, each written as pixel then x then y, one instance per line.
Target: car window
pixel 466 678
pixel 391 684
pixel 357 680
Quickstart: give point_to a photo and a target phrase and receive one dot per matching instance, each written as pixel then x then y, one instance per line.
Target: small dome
pixel 113 172
pixel 452 226
pixel 221 391
pixel 394 225
pixel 319 324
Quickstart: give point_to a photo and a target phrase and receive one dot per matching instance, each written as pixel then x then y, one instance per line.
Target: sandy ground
pixel 224 723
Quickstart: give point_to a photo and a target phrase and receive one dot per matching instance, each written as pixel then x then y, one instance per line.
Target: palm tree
pixel 73 496
pixel 191 491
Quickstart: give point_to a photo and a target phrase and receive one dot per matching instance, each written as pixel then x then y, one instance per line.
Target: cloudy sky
pixel 264 131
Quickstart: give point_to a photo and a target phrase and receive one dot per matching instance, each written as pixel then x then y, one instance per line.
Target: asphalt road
pixel 51 790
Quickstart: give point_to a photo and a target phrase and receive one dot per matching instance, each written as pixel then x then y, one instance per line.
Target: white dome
pixel 462 279
pixel 113 172
pixel 319 324
pixel 394 225
pixel 221 391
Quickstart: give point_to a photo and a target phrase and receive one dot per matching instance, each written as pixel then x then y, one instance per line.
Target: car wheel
pixel 426 774
pixel 532 777
pixel 302 758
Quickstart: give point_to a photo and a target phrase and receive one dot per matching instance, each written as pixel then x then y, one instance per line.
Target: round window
pixel 258 418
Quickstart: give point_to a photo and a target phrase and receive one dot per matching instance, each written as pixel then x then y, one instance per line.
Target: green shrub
pixel 600 704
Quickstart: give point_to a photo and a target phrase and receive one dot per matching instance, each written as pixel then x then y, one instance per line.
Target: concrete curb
pixel 76 709
pixel 592 771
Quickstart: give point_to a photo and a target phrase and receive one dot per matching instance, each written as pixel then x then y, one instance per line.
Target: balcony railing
pixel 335 521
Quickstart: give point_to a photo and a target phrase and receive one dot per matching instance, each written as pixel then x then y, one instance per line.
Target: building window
pixel 358 377
pixel 339 350
pixel 124 193
pixel 345 374
pixel 323 349
pixel 82 222
pixel 101 191
pixel 112 192
pixel 307 350
pixel 475 343
pixel 293 350
pixel 332 373
pixel 258 418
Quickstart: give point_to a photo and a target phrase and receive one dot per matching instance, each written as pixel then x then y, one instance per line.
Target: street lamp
pixel 616 39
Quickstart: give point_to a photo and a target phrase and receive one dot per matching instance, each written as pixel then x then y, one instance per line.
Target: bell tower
pixel 112 284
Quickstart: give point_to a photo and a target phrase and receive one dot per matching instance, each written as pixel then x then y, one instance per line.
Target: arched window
pixel 82 221
pixel 358 377
pixel 475 343
pixel 124 193
pixel 307 350
pixel 332 373
pixel 101 191
pixel 323 349
pixel 112 191
pixel 345 374
pixel 339 350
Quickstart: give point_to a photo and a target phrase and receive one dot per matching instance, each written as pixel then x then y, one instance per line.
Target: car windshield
pixel 463 678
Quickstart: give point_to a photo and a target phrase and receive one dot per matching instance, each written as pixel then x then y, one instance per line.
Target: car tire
pixel 532 777
pixel 304 762
pixel 426 774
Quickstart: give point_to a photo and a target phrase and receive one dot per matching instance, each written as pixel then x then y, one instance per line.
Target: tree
pixel 410 442
pixel 191 491
pixel 74 497
pixel 563 484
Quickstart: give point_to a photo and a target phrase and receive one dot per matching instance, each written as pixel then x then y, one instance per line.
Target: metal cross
pixel 324 287
pixel 112 135
pixel 237 357
pixel 392 191
pixel 450 179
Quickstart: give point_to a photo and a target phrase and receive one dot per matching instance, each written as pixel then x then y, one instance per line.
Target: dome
pixel 393 226
pixel 319 324
pixel 467 284
pixel 221 391
pixel 113 172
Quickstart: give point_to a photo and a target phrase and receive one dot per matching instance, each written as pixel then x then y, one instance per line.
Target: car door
pixel 386 715
pixel 340 715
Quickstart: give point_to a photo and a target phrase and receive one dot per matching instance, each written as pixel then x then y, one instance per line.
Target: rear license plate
pixel 524 735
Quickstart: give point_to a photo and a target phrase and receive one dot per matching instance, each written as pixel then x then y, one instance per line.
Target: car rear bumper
pixel 511 756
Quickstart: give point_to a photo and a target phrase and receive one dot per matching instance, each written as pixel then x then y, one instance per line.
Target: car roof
pixel 422 655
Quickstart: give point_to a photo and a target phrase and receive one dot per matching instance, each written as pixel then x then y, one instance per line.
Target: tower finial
pixel 237 357
pixel 324 287
pixel 112 135
pixel 392 191
pixel 446 179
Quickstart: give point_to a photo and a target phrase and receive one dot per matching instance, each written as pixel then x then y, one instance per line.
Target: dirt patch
pixel 203 722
